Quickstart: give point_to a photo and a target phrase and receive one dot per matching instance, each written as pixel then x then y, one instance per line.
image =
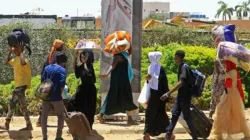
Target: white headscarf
pixel 154 69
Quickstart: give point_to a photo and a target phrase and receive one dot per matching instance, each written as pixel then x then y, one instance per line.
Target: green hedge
pixel 42 39
pixel 198 57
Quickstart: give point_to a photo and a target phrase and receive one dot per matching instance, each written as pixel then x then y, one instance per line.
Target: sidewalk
pixel 113 130
pixel 109 131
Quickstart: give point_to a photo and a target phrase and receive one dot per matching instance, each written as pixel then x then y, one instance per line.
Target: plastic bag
pixel 145 95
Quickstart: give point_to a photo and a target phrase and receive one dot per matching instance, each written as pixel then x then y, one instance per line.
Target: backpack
pixel 17 36
pixel 45 88
pixel 196 81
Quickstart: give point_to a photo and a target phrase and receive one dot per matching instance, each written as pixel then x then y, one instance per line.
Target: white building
pixel 161 8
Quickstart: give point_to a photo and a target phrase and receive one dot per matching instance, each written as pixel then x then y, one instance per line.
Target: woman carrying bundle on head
pixel 84 100
pixel 230 112
pixel 220 33
pixel 119 98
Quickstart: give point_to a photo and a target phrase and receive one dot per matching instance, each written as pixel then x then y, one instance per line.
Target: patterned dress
pixel 218 85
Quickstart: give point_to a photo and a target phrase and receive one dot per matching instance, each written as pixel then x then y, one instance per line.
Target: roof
pixel 29 16
pixel 240 24
pixel 98 22
pixel 78 18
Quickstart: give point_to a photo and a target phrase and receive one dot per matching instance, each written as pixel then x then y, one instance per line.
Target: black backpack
pixel 18 36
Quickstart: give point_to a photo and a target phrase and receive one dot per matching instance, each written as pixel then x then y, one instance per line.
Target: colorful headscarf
pixel 130 69
pixel 154 69
pixel 231 66
pixel 57 44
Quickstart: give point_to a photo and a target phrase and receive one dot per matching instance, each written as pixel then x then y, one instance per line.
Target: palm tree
pixel 224 10
pixel 243 8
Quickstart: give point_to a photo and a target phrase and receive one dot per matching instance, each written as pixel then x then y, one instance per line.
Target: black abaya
pixel 85 98
pixel 156 116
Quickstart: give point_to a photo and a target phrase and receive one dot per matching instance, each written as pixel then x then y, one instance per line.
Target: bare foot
pixel 100 118
pixel 6 126
pixel 38 124
pixel 132 122
pixel 172 137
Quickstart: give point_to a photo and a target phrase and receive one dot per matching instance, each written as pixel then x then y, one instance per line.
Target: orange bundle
pixel 117 42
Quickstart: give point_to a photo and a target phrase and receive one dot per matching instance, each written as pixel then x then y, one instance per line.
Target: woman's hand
pixel 104 76
pixel 11 50
pixel 228 83
pixel 148 77
pixel 76 53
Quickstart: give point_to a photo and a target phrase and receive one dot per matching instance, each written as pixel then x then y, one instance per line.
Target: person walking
pixel 57 48
pixel 22 78
pixel 57 74
pixel 229 117
pixel 119 98
pixel 183 99
pixel 85 98
pixel 156 116
pixel 219 34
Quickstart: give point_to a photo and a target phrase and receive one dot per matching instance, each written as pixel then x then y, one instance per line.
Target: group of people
pixel 227 105
pixel 157 121
pixel 119 98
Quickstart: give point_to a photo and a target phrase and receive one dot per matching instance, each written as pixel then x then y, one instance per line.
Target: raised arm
pixel 75 59
pixel 8 56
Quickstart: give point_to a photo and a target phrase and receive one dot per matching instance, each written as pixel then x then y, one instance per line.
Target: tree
pixel 242 9
pixel 224 10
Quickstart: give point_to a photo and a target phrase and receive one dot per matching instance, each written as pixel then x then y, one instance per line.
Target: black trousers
pixel 182 104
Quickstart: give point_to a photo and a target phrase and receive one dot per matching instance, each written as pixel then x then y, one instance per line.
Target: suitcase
pixel 78 124
pixel 201 123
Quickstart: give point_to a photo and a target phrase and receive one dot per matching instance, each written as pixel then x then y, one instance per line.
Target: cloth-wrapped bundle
pixel 234 52
pixel 117 42
pixel 224 33
pixel 87 44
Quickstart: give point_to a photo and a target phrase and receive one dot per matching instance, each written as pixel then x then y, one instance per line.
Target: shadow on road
pixel 16 135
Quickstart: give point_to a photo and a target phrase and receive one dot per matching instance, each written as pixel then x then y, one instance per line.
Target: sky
pixel 69 7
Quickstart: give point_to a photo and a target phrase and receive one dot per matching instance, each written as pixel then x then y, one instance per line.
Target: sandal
pixel 100 118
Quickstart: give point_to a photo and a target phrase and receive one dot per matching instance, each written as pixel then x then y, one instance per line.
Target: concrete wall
pixel 39 22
